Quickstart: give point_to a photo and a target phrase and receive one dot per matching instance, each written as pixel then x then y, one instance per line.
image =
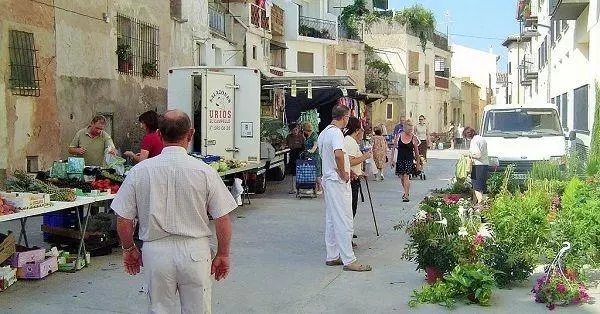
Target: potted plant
pixel 124 56
pixel 419 20
pixel 149 69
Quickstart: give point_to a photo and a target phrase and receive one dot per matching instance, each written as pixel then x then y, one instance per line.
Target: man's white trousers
pixel 178 264
pixel 339 224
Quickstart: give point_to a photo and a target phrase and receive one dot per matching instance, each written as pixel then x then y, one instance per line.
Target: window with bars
pixel 24 79
pixel 137 47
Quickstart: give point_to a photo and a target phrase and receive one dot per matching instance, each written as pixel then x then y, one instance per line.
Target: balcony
pixel 317 28
pixel 567 9
pixel 216 21
pixel 440 41
pixel 277 21
pixel 530 71
pixel 259 18
pixel 527 12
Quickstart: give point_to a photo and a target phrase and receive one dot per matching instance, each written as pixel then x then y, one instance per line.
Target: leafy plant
pixel 578 222
pixel 472 283
pixel 559 290
pixel 546 170
pixel 576 165
pixel 124 52
pixel 496 181
pixel 149 69
pixel 420 20
pixel 593 166
pixel 521 228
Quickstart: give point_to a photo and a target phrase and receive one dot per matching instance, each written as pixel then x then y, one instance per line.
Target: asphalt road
pixel 278 257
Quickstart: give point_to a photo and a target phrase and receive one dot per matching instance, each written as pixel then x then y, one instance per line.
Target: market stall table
pixel 83 201
pixel 244 172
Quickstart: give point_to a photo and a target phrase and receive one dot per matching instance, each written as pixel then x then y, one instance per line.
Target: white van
pixel 523 134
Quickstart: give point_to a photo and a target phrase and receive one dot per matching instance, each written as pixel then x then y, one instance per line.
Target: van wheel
pixel 260 185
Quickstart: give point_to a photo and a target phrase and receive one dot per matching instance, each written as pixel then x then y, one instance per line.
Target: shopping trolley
pixel 306 177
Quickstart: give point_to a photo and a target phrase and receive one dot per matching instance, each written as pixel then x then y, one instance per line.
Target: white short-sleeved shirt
pixel 479 146
pixel 351 146
pixel 330 140
pixel 171 195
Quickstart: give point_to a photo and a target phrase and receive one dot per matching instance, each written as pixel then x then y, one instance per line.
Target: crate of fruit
pixel 39 269
pixel 25 200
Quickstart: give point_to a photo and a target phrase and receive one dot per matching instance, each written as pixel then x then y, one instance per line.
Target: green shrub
pixel 546 170
pixel 578 222
pixel 521 228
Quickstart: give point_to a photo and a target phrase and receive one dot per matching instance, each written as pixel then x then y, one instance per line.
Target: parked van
pixel 523 134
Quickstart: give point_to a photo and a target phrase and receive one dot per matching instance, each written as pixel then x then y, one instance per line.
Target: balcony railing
pixel 259 18
pixel 317 28
pixel 530 70
pixel 216 21
pixel 440 41
pixel 567 9
pixel 343 32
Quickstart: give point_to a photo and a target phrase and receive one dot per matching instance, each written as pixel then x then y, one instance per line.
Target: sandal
pixel 336 262
pixel 405 199
pixel 356 266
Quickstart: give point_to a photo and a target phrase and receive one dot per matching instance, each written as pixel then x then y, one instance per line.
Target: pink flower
pixel 561 288
pixel 551 306
pixel 451 199
pixel 479 239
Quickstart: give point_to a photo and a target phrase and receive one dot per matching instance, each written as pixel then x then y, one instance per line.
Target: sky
pixel 493 19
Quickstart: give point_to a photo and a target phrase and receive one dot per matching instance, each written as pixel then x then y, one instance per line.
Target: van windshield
pixel 521 122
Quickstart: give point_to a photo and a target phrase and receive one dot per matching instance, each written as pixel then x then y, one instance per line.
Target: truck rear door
pixel 219 115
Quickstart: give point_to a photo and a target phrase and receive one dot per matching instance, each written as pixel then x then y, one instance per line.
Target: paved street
pixel 278 264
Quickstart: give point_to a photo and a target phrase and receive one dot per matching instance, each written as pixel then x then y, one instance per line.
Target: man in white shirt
pixel 171 194
pixel 339 226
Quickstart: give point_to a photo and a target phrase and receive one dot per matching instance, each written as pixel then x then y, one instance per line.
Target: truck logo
pixel 523 157
pixel 220 97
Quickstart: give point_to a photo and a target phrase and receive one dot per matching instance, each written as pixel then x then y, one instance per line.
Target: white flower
pixel 443 222
pixel 421 215
pixel 462 231
pixel 485 231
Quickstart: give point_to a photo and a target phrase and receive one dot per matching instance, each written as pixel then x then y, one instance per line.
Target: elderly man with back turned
pixel 171 194
pixel 339 224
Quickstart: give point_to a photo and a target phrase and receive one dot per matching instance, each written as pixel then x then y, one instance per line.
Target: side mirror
pixel 572 136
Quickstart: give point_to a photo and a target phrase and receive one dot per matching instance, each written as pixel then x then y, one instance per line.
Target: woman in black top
pixel 408 153
pixel 295 142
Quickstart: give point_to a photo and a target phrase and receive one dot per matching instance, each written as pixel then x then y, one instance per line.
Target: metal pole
pixel 371 202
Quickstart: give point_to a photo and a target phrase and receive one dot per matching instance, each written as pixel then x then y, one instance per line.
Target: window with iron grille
pixel 137 47
pixel 24 78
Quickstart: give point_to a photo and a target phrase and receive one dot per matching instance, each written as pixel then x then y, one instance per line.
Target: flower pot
pixel 433 275
pixel 125 66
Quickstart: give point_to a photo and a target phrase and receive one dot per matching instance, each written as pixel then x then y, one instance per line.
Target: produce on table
pixel 112 176
pixel 21 182
pixel 6 209
pixel 223 165
pixel 106 184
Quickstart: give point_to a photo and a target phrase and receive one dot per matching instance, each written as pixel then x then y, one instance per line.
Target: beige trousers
pixel 178 264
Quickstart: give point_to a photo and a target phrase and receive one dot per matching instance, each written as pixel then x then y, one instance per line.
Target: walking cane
pixel 371 202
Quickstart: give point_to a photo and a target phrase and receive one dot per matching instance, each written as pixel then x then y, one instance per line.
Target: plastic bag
pixel 115 162
pixel 236 190
pixel 462 168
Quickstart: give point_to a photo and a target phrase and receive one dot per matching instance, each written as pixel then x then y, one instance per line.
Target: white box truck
pixel 224 105
pixel 523 134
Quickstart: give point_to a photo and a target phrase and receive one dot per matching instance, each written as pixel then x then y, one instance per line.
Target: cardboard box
pixel 8 276
pixel 26 255
pixel 38 270
pixel 66 262
pixel 7 246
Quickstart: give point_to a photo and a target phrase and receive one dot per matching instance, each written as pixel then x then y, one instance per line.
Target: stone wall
pixel 28 124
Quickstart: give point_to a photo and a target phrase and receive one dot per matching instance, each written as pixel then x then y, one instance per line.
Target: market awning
pixel 369 97
pixel 304 82
pixel 304 93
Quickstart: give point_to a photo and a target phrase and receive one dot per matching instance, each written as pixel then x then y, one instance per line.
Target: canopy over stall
pixel 309 92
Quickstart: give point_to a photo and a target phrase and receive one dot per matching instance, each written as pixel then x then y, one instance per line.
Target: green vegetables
pixel 471 283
